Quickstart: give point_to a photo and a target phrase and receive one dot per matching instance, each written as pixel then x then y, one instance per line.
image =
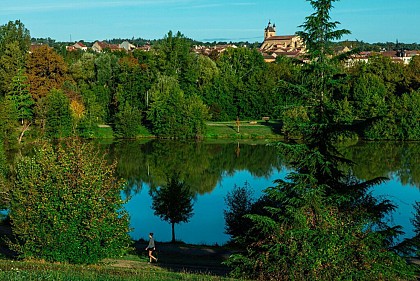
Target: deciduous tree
pixel 239 202
pixel 173 202
pixel 174 115
pixel 66 205
pixel 22 100
pixel 46 70
pixel 14 47
pixel 8 122
pixel 58 122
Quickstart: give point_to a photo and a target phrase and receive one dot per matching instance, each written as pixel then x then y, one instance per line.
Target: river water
pixel 211 169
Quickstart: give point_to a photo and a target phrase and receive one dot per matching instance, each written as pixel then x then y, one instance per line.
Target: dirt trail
pixel 189 258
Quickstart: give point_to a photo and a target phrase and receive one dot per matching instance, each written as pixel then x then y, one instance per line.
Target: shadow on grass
pixel 234 128
pixel 275 126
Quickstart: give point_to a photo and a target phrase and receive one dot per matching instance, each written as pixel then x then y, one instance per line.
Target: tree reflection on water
pixel 211 169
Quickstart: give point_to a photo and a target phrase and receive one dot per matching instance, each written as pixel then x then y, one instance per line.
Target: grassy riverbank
pixel 176 262
pixel 247 130
pixel 126 269
pixel 218 130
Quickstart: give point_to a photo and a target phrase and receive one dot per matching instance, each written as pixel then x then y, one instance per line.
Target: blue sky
pixel 207 20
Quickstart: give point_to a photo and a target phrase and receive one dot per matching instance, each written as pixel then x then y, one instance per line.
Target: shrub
pixel 66 205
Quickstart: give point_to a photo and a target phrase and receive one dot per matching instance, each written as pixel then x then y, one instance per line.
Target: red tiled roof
pixel 283 37
pixel 389 54
pixel 102 44
pixel 114 46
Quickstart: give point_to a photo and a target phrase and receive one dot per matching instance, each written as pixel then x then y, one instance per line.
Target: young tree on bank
pixel 173 202
pixel 66 205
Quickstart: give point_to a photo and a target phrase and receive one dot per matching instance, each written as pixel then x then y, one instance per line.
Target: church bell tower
pixel 270 30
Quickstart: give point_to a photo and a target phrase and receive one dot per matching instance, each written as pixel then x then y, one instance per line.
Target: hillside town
pixel 273 45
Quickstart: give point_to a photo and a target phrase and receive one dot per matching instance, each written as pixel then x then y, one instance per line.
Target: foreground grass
pixel 128 269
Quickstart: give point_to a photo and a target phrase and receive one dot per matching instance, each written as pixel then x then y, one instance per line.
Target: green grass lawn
pixel 247 130
pixel 127 269
pixel 176 262
pixel 225 130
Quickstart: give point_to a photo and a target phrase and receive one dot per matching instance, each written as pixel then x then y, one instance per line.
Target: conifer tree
pixel 321 223
pixel 318 33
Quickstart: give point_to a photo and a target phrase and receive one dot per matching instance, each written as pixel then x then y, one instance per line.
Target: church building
pixel 274 45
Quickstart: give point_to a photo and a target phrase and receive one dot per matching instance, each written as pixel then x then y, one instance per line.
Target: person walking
pixel 151 247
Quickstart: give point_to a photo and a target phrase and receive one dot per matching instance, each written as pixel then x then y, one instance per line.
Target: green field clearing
pixel 247 130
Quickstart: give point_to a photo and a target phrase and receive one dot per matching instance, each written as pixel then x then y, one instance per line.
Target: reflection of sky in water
pixel 404 197
pixel 207 224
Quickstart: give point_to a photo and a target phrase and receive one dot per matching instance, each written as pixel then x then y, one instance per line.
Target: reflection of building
pixel 286 45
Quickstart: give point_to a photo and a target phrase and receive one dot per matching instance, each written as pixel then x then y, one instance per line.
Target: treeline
pixel 379 46
pixel 171 91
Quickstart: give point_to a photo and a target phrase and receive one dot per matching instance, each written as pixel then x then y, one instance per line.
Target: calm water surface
pixel 212 169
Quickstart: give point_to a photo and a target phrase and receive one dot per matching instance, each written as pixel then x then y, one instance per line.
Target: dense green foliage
pixel 58 122
pixel 319 224
pixel 66 205
pixel 14 47
pixel 4 183
pixel 172 114
pixel 8 117
pixel 22 100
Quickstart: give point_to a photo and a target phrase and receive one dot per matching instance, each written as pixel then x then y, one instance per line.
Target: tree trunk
pixel 173 233
pixel 25 127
